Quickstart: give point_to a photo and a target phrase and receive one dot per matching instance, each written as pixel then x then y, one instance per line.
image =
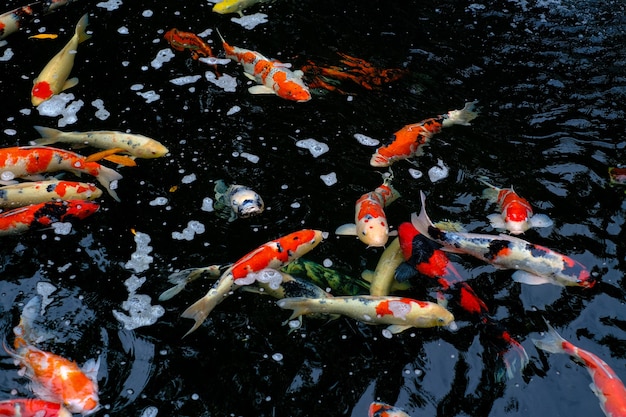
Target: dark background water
pixel 549 77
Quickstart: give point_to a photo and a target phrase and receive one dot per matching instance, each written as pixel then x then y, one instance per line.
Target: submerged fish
pixel 323 277
pixel 237 201
pixel 54 378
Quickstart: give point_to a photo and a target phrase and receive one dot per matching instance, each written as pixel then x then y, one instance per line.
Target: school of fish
pixel 417 255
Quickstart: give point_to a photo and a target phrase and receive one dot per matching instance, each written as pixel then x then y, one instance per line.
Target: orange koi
pixel 371 225
pixel 44 214
pixel 34 192
pixel 378 409
pixel 180 41
pixel 274 254
pixel 273 77
pixel 25 161
pixel 411 139
pixel 606 385
pixel 516 213
pixel 31 407
pixel 44 36
pixel 53 377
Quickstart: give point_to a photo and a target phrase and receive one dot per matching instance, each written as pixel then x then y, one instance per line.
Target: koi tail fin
pixel 515 355
pixel 180 279
pixel 299 305
pixel 551 342
pixel 80 29
pixel 23 330
pixel 491 192
pixel 422 222
pixel 48 136
pixel 108 178
pixel 461 117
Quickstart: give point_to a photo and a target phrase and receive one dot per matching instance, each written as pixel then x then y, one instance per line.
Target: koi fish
pixel 184 277
pixel 44 214
pixel 54 77
pixel 606 385
pixel 44 36
pixel 411 139
pixel 378 409
pixel 323 277
pixel 534 264
pixel 54 378
pixel 234 6
pixel 371 225
pixel 25 161
pixel 617 175
pixel 425 257
pixel 516 213
pixel 180 41
pixel 273 77
pixel 31 407
pixel 11 21
pixel 136 145
pixel 25 193
pixel 382 278
pixel 237 200
pixel 399 313
pixel 274 254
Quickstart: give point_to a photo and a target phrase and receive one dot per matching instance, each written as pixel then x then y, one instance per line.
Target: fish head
pixel 227 6
pixel 373 231
pixel 41 92
pixel 290 87
pixel 516 227
pixel 80 209
pixel 154 150
pixel 379 161
pixel 246 202
pixel 170 35
pixel 85 405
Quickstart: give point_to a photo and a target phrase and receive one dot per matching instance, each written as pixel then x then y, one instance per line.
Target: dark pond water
pixel 550 80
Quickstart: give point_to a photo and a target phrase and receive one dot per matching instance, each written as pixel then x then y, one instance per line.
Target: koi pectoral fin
pixel 69 83
pixel 103 154
pixel 260 89
pixel 530 279
pixel 348 229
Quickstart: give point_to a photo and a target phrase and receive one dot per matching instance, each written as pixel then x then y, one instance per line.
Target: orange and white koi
pixel 274 254
pixel 136 145
pixel 11 21
pixel 516 212
pixel 378 409
pixel 606 385
pixel 32 407
pixel 44 214
pixel 371 225
pixel 411 139
pixel 25 161
pixel 273 77
pixel 54 77
pixel 399 313
pixel 25 193
pixel 180 41
pixel 54 378
pixel 534 264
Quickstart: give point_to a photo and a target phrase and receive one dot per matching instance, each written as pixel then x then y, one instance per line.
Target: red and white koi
pixel 516 212
pixel 606 385
pixel 11 21
pixel 28 161
pixel 273 77
pixel 371 225
pixel 399 313
pixel 26 193
pixel 411 139
pixel 534 264
pixel 54 378
pixel 378 409
pixel 54 77
pixel 274 254
pixel 32 407
pixel 22 219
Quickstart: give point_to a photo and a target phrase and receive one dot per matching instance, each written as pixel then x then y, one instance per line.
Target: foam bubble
pixel 438 172
pixel 189 79
pixel 110 5
pixel 193 227
pixel 329 179
pixel 207 204
pixel 62 228
pixel 250 21
pixel 415 173
pixel 188 179
pixel 140 260
pixel 316 148
pixel 142 313
pixel 233 110
pixel 366 140
pixel 225 81
pixel 163 56
pixel 159 201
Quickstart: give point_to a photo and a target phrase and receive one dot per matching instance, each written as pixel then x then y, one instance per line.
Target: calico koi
pixel 180 41
pixel 32 407
pixel 234 6
pixel 378 409
pixel 53 377
pixel 516 212
pixel 411 139
pixel 273 77
pixel 399 313
pixel 274 254
pixel 54 77
pixel 237 200
pixel 27 161
pixel 25 193
pixel 534 264
pixel 606 385
pixel 44 214
pixel 133 144
pixel 371 225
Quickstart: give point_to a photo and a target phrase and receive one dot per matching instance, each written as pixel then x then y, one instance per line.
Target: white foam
pixel 366 140
pixel 415 173
pixel 61 104
pixel 438 172
pixel 250 21
pixel 316 148
pixel 10 132
pixel 159 201
pixel 210 60
pixel 149 96
pixel 250 157
pixel 142 313
pixel 193 227
pixel 233 110
pixel 101 112
pixel 149 411
pixel 110 5
pixel 329 179
pixel 207 204
pixel 122 30
pixel 7 55
pixel 189 79
pixel 62 228
pixel 163 56
pixel 140 260
pixel 188 179
pixel 225 81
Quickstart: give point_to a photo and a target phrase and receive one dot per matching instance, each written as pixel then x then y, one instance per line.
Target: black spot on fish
pixel 279 248
pixel 436 233
pixel 421 249
pixel 50 188
pixel 51 212
pixel 495 246
pixel 3 194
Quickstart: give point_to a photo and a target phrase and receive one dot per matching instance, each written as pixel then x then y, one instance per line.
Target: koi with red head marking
pixel 411 139
pixel 25 161
pixel 22 219
pixel 32 407
pixel 53 377
pixel 516 212
pixel 274 254
pixel 273 77
pixel 371 225
pixel 534 264
pixel 606 385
